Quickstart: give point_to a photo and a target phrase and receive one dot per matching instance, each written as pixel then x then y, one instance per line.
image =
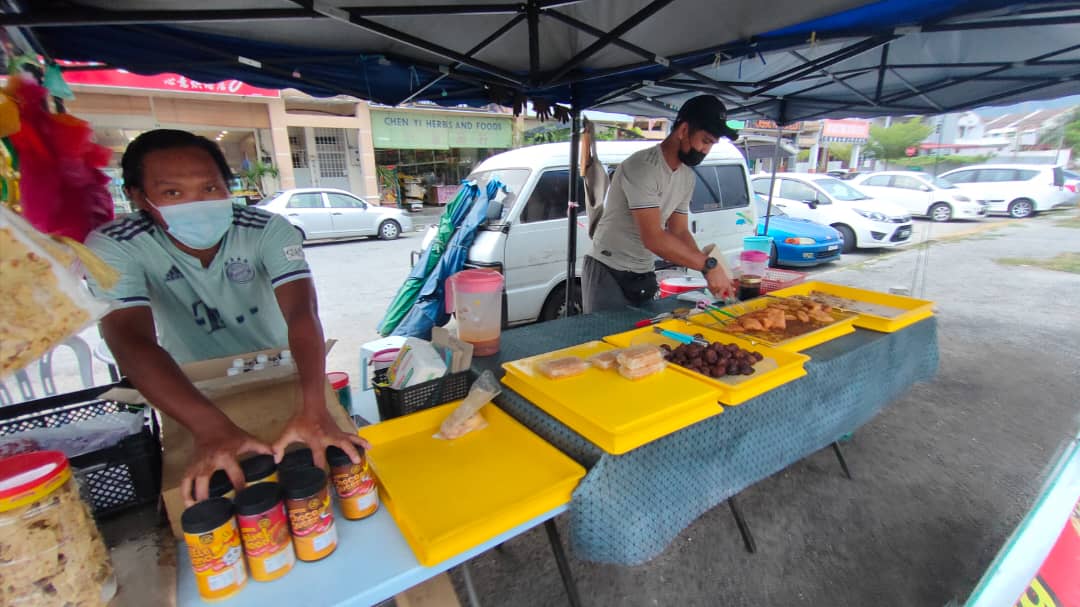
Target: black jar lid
pixel 257 467
pixel 302 483
pixel 257 499
pixel 301 458
pixel 336 456
pixel 220 484
pixel 206 516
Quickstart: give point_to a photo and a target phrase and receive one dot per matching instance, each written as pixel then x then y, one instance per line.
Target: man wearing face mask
pixel 645 214
pixel 215 280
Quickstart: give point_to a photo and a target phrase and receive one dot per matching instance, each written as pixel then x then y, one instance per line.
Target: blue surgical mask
pixel 199 225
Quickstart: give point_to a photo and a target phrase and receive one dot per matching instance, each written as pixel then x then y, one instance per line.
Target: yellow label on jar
pixel 218 561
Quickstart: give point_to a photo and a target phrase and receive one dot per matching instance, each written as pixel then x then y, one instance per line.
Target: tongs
pixel 682 338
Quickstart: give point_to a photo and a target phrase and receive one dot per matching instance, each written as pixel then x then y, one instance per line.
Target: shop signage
pixel 769 125
pixel 165 82
pixel 430 131
pixel 848 130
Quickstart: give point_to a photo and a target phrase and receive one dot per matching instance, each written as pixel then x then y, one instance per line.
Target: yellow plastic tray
pixel 910 310
pixel 776 369
pixel 615 413
pixel 844 324
pixel 449 496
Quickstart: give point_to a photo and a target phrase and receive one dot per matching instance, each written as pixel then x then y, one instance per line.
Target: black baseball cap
pixel 707 112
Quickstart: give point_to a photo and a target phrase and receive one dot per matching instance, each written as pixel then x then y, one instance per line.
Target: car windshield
pixel 513 181
pixel 268 199
pixel 839 190
pixel 761 204
pixel 941 183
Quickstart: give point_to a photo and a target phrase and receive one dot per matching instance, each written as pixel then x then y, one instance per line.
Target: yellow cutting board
pixel 450 496
pixel 777 367
pixel 882 312
pixel 615 413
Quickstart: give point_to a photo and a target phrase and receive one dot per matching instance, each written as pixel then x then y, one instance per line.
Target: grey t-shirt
pixel 642 181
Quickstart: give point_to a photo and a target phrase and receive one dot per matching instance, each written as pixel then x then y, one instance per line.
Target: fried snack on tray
pixel 38 313
pixel 643 371
pixel 775 316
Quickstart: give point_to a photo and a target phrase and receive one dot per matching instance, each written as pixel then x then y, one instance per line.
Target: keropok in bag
pixel 42 298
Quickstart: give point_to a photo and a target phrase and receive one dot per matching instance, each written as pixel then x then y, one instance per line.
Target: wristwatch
pixel 710 263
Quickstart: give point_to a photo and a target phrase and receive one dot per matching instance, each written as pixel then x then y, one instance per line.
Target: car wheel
pixel 1021 208
pixel 303 237
pixel 555 306
pixel 847 238
pixel 940 211
pixel 389 230
pixel 772 256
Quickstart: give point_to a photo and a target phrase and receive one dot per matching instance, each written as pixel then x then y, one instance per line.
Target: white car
pixel 326 213
pixel 921 195
pixel 1021 190
pixel 862 221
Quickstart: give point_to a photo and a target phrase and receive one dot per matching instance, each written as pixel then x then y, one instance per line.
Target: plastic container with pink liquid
pixel 475 298
pixel 753 262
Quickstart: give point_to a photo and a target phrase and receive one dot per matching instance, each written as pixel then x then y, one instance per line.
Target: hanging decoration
pixel 63 191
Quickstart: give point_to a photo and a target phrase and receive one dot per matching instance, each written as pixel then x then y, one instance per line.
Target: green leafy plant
pixel 892 142
pixel 254 174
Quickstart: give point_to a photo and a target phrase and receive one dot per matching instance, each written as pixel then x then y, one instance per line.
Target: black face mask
pixel 691 158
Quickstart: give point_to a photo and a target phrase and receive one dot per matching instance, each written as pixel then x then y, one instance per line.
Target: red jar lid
pixel 338 379
pixel 29 477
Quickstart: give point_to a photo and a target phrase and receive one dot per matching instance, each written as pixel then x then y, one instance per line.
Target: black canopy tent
pixel 784 60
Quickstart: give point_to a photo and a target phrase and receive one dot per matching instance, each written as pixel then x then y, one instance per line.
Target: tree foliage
pixel 254 174
pixel 887 143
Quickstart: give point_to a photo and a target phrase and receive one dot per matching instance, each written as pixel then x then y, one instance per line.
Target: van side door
pixel 535 262
pixel 720 211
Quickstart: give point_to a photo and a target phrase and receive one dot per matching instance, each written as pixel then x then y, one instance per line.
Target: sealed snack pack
pixel 466 417
pixel 605 360
pixel 560 368
pixel 643 355
pixel 42 300
pixel 643 371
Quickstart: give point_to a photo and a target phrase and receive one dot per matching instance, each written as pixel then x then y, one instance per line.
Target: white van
pixel 527 239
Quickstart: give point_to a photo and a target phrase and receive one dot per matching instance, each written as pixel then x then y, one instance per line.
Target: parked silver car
pixel 327 213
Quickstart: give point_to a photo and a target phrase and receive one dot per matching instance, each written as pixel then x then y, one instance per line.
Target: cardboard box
pixel 258 402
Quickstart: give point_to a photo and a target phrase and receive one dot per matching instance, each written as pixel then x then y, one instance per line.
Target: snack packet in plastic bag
pixel 466 418
pixel 42 300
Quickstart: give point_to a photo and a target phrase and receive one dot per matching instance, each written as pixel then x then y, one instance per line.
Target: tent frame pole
pixel 772 179
pixel 572 204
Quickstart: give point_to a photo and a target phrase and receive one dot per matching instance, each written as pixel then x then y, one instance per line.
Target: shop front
pixel 422 156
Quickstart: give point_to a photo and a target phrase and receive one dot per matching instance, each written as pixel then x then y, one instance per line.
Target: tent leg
pixel 572 206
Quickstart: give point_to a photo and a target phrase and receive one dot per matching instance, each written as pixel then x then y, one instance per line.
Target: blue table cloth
pixel 629 507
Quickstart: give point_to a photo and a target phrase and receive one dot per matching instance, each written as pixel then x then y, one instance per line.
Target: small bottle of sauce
pixel 307 501
pixel 355 485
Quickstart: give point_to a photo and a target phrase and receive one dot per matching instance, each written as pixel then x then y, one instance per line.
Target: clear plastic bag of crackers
pixel 466 417
pixel 42 298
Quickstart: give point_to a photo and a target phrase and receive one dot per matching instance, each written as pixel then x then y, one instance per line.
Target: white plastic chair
pixel 45 372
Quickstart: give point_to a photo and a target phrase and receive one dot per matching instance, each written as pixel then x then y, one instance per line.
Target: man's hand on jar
pixel 218 449
pixel 314 427
pixel 720 285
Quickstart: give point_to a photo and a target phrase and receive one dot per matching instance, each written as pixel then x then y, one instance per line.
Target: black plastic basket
pixel 112 479
pixel 395 403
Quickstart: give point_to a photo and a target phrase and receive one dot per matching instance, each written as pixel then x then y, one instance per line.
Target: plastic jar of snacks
pixel 213 542
pixel 51 552
pixel 264 531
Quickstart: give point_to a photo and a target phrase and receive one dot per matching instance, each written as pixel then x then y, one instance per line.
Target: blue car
pixel 797 242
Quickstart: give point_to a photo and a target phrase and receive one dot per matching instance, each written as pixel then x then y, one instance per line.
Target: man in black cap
pixel 645 214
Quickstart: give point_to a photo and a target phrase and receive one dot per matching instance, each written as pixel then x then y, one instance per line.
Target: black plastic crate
pixel 112 479
pixel 395 403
